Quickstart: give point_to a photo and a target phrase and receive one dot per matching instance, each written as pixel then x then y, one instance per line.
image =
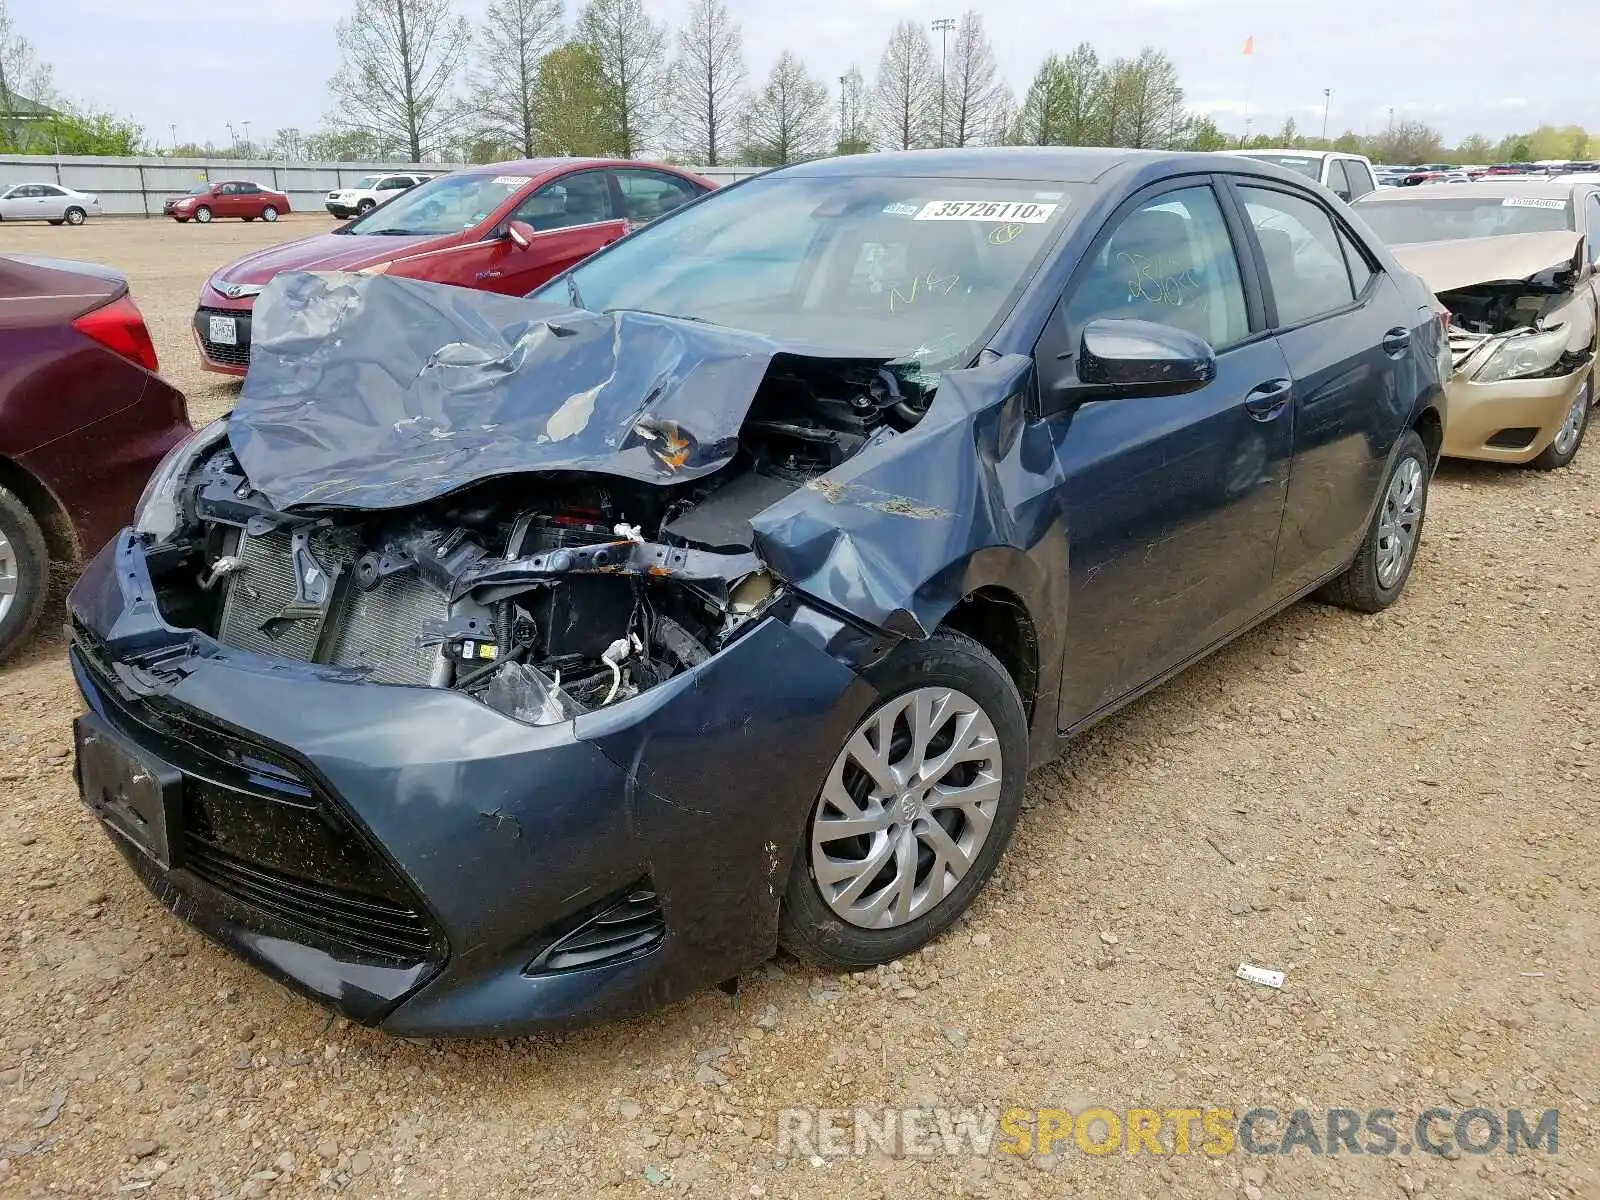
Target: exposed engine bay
pixel 544 595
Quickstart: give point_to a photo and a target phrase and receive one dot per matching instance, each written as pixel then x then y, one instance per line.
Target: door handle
pixel 1267 400
pixel 1396 342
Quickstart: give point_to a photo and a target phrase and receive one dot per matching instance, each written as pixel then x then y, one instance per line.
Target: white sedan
pixel 46 202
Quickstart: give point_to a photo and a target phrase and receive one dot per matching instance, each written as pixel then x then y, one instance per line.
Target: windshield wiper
pixel 394 232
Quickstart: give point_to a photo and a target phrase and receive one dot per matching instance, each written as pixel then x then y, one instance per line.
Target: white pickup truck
pixel 1348 176
pixel 369 192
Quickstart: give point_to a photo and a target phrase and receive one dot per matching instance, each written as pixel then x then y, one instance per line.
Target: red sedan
pixel 506 227
pixel 230 198
pixel 84 419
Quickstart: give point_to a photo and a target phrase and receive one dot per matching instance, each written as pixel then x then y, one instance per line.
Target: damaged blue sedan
pixel 503 664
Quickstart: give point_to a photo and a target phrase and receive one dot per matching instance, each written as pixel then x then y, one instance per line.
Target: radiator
pixel 377 629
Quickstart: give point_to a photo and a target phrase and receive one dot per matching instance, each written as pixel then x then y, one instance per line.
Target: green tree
pixel 1474 149
pixel 1201 134
pixel 349 145
pixel 514 38
pixel 576 105
pixel 73 131
pixel 1043 118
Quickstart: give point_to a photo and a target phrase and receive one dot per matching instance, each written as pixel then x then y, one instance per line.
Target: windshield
pixel 911 268
pixel 1311 168
pixel 1435 218
pixel 448 204
pixel 199 189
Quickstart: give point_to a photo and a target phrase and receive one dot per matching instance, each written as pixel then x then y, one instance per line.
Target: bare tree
pixel 905 96
pixel 973 86
pixel 855 135
pixel 401 60
pixel 789 117
pixel 707 79
pixel 632 53
pixel 512 42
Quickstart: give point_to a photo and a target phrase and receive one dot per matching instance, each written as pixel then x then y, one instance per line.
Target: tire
pixel 811 926
pixel 203 215
pixel 1376 577
pixel 25 567
pixel 269 214
pixel 365 206
pixel 74 216
pixel 56 221
pixel 1569 440
pixel 247 220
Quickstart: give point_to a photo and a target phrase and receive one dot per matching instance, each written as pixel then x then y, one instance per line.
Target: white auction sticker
pixel 1025 212
pixel 512 180
pixel 901 210
pixel 1531 202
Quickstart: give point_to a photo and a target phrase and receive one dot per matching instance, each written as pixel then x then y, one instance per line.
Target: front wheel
pixel 365 207
pixel 1378 574
pixel 915 812
pixel 24 572
pixel 1564 447
pixel 74 216
pixel 269 214
pixel 203 215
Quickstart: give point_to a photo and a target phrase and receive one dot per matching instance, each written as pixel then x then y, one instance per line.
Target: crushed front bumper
pixel 1511 420
pixel 495 837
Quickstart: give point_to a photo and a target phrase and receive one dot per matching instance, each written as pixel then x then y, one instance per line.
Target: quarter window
pixel 1170 261
pixel 1361 271
pixel 1305 265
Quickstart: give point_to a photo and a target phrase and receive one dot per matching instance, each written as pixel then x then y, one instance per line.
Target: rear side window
pixel 647 195
pixel 1305 263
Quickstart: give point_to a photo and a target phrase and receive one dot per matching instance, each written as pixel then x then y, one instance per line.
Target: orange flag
pixel 1250 44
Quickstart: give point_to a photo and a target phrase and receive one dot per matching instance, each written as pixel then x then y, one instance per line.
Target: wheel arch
pixel 60 537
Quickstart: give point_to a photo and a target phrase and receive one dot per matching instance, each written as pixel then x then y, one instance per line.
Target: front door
pixel 1173 502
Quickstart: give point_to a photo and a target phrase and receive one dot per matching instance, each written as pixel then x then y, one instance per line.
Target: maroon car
pixel 506 227
pixel 230 198
pixel 84 419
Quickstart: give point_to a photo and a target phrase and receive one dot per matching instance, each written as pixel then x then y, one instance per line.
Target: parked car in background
pixel 1347 176
pixel 837 501
pixel 1515 263
pixel 230 198
pixel 84 419
pixel 506 227
pixel 47 202
pixel 369 192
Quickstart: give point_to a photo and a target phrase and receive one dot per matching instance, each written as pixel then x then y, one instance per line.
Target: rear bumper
pixel 503 836
pixel 1485 413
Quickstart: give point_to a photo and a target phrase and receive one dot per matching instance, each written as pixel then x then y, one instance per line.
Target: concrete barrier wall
pixel 137 186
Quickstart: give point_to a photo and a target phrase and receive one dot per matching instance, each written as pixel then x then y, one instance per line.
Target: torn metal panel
pixel 371 392
pixel 1511 258
pixel 887 535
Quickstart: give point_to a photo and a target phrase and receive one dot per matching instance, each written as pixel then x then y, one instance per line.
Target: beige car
pixel 1515 263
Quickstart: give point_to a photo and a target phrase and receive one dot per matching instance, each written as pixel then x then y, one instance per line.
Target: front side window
pixel 448 204
pixel 1339 181
pixel 919 269
pixel 1305 265
pixel 580 199
pixel 1170 261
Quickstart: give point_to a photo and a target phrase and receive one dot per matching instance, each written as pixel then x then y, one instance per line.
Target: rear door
pixel 1174 501
pixel 1347 332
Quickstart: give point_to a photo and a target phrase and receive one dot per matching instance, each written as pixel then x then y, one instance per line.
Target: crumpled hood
pixel 372 392
pixel 324 252
pixel 1511 258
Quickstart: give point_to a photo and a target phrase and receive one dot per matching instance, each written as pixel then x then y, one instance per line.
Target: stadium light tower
pixel 943 25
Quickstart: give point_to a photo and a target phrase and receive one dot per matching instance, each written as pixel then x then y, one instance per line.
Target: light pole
pixel 943 25
pixel 1327 98
pixel 174 128
pixel 233 138
pixel 844 119
pixel 247 147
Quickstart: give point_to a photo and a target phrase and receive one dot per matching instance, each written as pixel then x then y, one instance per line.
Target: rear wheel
pixel 1377 576
pixel 74 216
pixel 1564 448
pixel 916 811
pixel 269 214
pixel 24 572
pixel 202 214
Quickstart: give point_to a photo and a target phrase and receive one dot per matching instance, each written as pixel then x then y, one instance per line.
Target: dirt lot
pixel 1400 812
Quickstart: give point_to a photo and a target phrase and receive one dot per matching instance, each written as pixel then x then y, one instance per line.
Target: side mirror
pixel 1343 194
pixel 1141 358
pixel 521 234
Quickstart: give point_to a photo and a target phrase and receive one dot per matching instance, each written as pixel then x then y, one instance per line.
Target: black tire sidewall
pixel 365 207
pixel 205 220
pixel 1549 459
pixel 33 572
pixel 269 214
pixel 72 213
pixel 1410 447
pixel 808 927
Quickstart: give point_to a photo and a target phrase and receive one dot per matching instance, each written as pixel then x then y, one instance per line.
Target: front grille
pixel 260 830
pixel 627 928
pixel 233 356
pixel 368 927
pixel 379 630
pixel 1464 344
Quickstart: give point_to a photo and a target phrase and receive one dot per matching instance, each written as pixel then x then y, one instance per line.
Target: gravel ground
pixel 1399 811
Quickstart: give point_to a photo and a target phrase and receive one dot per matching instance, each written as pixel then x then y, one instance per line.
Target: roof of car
pixel 1549 189
pixel 1063 164
pixel 1253 151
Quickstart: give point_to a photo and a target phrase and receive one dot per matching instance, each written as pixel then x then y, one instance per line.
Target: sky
pixel 199 64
